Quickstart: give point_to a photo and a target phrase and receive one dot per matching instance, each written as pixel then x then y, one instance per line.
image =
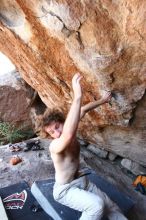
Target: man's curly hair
pixel 50 116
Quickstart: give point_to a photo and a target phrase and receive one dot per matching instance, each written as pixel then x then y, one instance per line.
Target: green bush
pixel 10 134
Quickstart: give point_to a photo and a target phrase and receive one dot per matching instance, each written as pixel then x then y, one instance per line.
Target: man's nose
pixel 58 133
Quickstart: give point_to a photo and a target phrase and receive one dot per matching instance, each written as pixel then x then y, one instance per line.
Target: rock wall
pixel 105 41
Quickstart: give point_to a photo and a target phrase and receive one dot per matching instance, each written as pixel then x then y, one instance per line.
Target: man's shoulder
pixel 58 145
pixel 53 143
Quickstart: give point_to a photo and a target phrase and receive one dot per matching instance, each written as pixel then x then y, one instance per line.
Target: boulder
pixel 112 156
pixel 99 152
pixel 134 167
pixel 15 99
pixel 49 41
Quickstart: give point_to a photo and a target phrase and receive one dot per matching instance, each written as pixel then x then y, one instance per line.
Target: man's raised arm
pixel 73 117
pixel 71 123
pixel 92 105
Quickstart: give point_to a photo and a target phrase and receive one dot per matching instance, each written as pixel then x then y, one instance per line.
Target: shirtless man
pixel 71 188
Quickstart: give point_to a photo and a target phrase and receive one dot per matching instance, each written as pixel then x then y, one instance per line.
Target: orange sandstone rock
pixel 105 41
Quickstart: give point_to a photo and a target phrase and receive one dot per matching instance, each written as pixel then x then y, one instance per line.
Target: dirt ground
pixel 37 165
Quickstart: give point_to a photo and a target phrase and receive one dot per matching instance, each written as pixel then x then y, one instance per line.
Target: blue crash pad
pixel 42 191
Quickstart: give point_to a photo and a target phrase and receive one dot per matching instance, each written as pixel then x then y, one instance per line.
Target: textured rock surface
pixel 99 152
pixel 15 99
pixel 49 41
pixel 134 167
pixel 112 156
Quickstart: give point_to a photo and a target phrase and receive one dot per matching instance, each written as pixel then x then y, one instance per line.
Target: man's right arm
pixel 72 120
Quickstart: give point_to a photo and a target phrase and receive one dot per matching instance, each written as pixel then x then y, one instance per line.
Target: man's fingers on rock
pixel 79 78
pixel 109 92
pixel 75 77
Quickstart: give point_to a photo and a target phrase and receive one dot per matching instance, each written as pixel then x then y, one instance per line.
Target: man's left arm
pixel 92 105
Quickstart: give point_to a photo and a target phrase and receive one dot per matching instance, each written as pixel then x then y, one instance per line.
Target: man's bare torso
pixel 66 163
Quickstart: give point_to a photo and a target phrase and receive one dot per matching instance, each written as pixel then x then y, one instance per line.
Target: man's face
pixel 54 129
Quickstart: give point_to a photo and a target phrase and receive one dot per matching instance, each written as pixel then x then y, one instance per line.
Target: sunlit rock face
pixel 105 41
